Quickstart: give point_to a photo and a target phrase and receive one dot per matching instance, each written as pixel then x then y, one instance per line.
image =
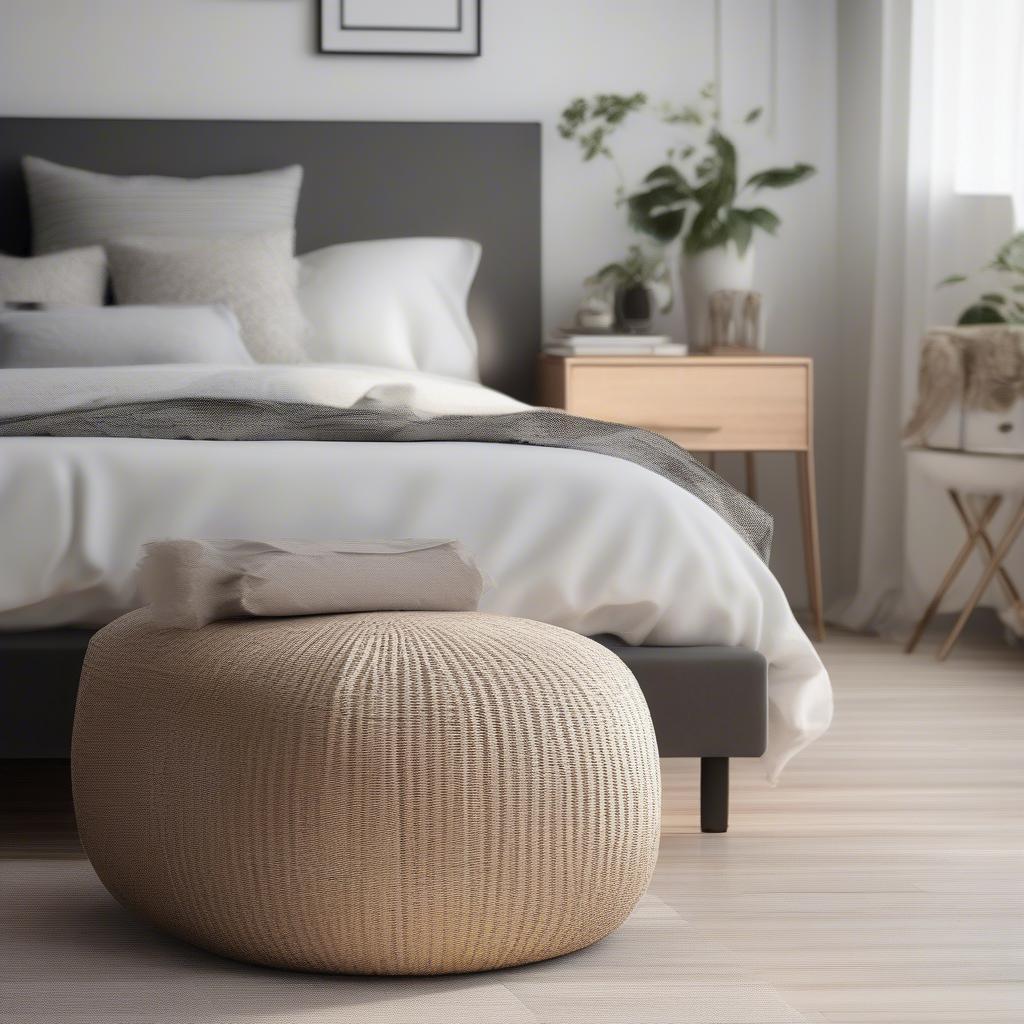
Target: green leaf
pixel 980 313
pixel 592 143
pixel 667 174
pixel 952 279
pixel 706 167
pixel 719 172
pixel 591 122
pixel 993 298
pixel 613 107
pixel 652 215
pixel 1010 255
pixel 740 230
pixel 660 198
pixel 753 115
pixel 639 267
pixel 659 209
pixel 763 218
pixel 708 231
pixel 723 147
pixel 684 115
pixel 780 177
pixel 572 117
pixel 610 273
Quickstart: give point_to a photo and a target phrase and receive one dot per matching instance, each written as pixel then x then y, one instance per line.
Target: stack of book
pixel 574 341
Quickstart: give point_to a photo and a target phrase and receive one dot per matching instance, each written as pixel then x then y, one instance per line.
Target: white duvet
pixel 587 542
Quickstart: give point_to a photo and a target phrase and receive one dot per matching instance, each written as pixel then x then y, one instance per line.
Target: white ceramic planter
pixel 707 272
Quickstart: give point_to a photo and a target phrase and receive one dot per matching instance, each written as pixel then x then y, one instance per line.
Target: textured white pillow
pixel 72 207
pixel 255 276
pixel 77 277
pixel 121 336
pixel 398 302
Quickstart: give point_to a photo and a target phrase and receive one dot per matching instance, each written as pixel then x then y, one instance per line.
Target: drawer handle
pixel 698 429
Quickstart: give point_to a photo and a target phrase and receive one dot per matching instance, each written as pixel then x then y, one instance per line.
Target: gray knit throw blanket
pixel 216 419
pixel 982 367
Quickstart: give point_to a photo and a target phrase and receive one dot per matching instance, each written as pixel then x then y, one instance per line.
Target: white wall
pixel 254 58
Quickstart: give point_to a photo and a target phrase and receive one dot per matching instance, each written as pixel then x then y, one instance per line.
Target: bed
pixel 579 539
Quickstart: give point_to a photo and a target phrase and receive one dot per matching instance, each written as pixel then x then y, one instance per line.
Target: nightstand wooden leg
pixel 751 468
pixel 812 548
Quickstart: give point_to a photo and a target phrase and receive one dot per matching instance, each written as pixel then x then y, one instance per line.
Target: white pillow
pixel 397 302
pixel 121 336
pixel 255 276
pixel 72 207
pixel 76 277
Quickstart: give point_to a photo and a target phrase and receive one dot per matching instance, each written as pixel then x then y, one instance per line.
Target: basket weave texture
pixel 382 793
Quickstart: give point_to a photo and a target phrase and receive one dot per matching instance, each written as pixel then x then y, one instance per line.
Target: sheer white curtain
pixel 935 99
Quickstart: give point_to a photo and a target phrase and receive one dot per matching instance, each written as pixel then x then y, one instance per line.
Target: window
pixel 989 135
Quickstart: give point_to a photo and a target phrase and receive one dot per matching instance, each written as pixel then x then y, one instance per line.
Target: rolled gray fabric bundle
pixel 189 583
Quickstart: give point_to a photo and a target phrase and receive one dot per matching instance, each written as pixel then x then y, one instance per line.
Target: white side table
pixel 977 485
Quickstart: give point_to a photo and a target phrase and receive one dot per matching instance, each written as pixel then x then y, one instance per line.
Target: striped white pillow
pixel 72 207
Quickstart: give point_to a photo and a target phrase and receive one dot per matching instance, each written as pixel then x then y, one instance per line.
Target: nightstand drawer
pixel 731 407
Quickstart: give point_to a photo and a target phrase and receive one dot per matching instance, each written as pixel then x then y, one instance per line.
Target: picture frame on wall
pixel 400 28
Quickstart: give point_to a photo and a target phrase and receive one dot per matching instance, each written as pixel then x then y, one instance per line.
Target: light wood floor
pixel 881 882
pixel 883 879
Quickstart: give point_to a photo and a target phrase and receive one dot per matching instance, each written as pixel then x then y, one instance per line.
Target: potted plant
pixel 639 283
pixel 696 195
pixel 994 307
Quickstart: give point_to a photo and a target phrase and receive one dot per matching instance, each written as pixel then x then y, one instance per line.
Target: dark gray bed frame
pixel 376 180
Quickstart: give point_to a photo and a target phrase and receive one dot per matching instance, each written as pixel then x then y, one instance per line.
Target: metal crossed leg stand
pixel 976 525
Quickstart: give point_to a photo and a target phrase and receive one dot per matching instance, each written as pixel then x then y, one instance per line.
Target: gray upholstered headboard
pixel 362 180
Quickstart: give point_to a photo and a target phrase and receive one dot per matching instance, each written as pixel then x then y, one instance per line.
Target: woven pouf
pixel 384 793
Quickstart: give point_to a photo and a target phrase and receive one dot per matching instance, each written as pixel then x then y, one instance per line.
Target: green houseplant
pixel 637 283
pixel 696 196
pixel 998 307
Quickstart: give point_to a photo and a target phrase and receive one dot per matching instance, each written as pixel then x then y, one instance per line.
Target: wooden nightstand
pixel 706 404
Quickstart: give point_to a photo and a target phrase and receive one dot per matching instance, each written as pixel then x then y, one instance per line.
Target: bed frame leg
pixel 714 794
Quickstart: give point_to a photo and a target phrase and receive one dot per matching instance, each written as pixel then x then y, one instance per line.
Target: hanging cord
pixel 773 70
pixel 718 62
